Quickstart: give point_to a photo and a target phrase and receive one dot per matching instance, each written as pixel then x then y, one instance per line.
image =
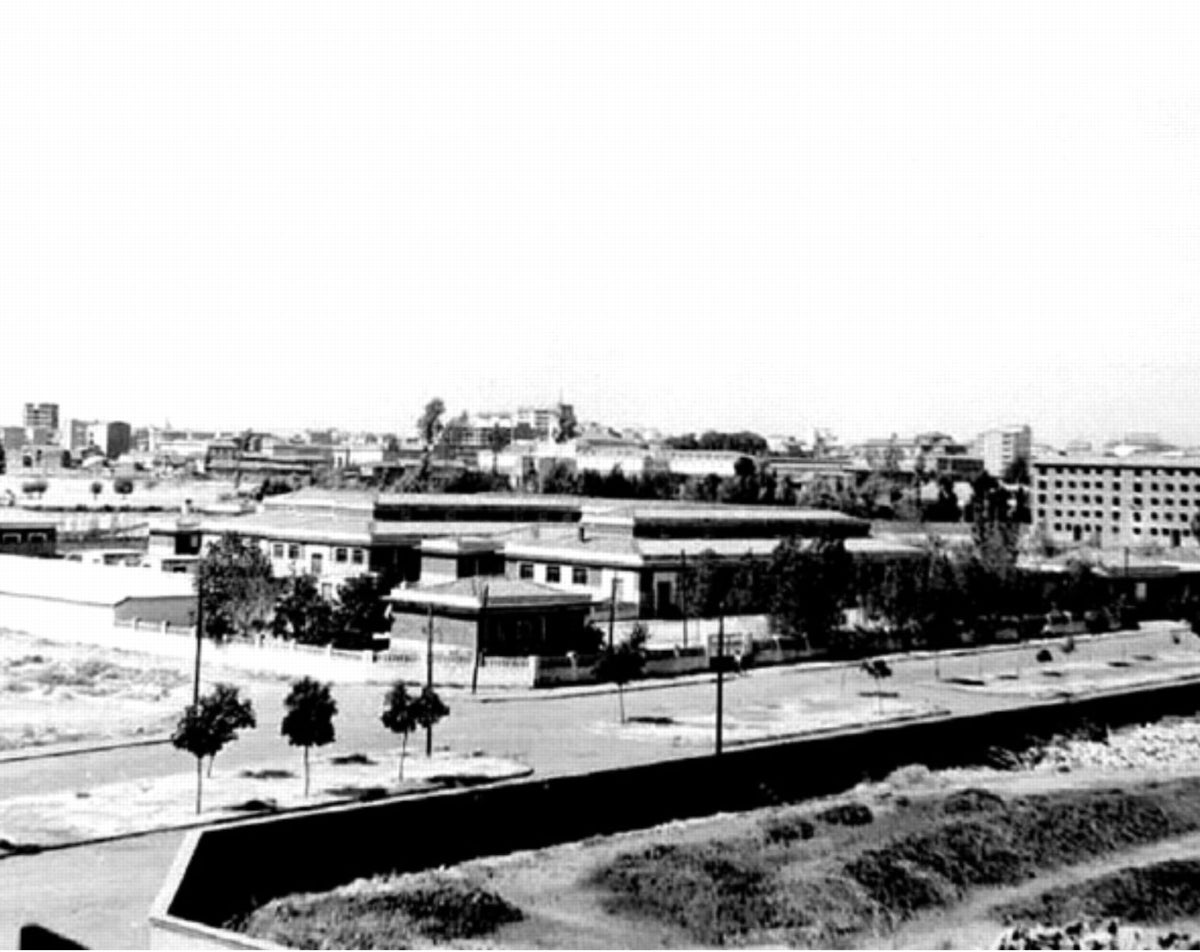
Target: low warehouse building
pixel 55 591
pixel 500 616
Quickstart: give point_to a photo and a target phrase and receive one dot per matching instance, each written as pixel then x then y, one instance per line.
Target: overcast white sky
pixel 874 217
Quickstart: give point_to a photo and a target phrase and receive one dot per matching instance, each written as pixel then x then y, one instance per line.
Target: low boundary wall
pixel 225 871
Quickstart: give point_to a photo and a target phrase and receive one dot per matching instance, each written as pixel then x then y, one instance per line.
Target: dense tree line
pixel 931 600
pixel 743 441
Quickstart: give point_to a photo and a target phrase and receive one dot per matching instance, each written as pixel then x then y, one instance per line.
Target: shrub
pixel 847 814
pixel 787 829
pixel 433 908
pixel 1044 656
pixel 1159 892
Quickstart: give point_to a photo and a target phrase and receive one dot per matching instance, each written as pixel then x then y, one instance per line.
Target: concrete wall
pixel 224 871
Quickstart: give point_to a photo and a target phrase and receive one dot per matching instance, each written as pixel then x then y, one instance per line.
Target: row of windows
pixel 1115 471
pixel 341 554
pixel 579 574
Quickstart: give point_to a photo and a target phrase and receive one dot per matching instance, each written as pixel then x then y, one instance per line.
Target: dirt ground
pixel 52 693
pixel 156 803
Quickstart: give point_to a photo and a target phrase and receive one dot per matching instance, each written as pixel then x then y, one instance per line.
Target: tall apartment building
pixel 1118 501
pixel 42 416
pixel 112 438
pixel 1001 447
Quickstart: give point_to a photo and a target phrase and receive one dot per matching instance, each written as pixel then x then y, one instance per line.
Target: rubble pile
pixel 1081 935
pixel 1166 744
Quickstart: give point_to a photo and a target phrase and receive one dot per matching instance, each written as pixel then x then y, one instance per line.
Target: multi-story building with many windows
pixel 1138 500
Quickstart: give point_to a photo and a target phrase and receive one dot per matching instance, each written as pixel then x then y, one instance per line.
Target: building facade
pixel 41 416
pixel 1003 446
pixel 1118 501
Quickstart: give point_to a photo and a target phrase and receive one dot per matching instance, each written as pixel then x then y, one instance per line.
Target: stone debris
pixel 1166 744
pixel 1104 935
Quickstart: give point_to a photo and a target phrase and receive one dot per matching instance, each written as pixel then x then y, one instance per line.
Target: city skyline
pixel 771 216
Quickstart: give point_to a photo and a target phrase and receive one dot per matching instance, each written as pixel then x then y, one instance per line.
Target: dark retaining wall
pixel 235 868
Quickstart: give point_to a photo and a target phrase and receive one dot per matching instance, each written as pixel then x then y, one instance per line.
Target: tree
pixel 308 722
pixel 621 663
pixel 361 612
pixel 97 488
pixel 429 428
pixel 400 717
pixel 123 486
pixel 568 425
pixel 430 709
pixel 230 713
pixel 35 487
pixel 811 585
pixel 301 612
pixel 877 669
pixel 235 582
pixel 1017 471
pixel 206 727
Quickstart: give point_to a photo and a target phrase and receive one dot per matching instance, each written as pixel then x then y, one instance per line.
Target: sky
pixel 873 217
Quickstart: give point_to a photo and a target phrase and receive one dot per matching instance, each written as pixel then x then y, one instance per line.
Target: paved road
pixel 100 894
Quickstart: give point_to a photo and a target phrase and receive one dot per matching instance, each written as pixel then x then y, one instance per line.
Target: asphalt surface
pixel 100 894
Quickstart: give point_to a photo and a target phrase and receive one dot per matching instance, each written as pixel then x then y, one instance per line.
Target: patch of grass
pixel 353 760
pixel 268 774
pixel 1010 843
pixel 431 907
pixel 773 886
pixel 713 890
pixel 254 805
pixel 356 792
pixel 1160 892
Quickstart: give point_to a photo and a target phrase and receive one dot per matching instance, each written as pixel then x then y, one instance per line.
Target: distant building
pixel 1133 444
pixel 26 534
pixel 1137 500
pixel 41 415
pixel 1001 447
pixel 113 439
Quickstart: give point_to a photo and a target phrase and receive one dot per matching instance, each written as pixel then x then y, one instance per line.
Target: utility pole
pixel 612 612
pixel 720 678
pixel 429 677
pixel 684 592
pixel 199 635
pixel 479 631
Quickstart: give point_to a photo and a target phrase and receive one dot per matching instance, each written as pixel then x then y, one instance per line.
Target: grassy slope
pixel 786 875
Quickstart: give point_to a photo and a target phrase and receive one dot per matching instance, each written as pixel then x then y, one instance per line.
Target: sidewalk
pixel 138 807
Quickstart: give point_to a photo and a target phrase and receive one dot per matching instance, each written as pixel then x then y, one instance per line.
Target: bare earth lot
pixel 922 860
pixel 52 693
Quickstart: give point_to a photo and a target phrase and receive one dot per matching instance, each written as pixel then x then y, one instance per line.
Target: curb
pixel 597 690
pixel 70 750
pixel 34 849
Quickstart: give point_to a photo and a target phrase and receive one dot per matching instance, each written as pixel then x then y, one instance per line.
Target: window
pixel 294 552
pixel 327 590
pixel 525 570
pixel 277 550
pixel 318 563
pixel 553 574
pixel 340 555
pixel 357 556
pixel 10 537
pixel 579 575
pixel 37 537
